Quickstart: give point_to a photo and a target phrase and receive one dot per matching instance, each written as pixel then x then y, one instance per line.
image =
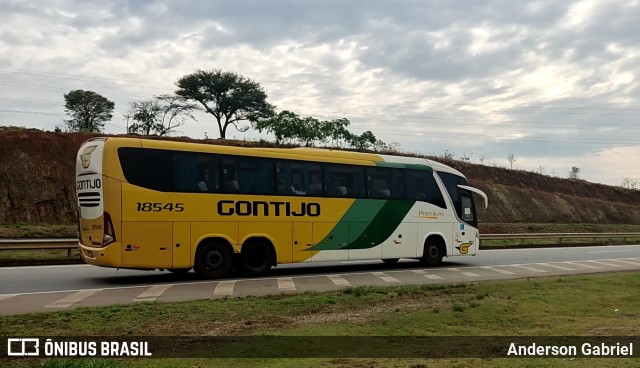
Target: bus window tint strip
pixel 197 172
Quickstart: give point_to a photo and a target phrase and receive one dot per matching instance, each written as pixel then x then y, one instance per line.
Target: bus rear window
pixel 147 168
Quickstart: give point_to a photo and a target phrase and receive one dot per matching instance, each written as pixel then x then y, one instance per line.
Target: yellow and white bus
pixel 154 204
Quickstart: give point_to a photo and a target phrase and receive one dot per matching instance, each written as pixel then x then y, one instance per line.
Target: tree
pixel 285 125
pixel 511 158
pixel 311 130
pixel 630 183
pixel 574 173
pixel 88 111
pixel 160 115
pixel 448 155
pixel 229 97
pixel 337 131
pixel 363 141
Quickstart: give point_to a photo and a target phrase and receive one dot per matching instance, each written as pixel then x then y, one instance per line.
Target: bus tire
pixel 256 258
pixel 213 260
pixel 433 252
pixel 390 260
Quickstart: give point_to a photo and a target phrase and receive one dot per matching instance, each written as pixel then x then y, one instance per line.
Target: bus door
pixel 147 244
pixel 465 232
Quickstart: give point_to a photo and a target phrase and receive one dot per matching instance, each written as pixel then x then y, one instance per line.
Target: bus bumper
pixel 108 256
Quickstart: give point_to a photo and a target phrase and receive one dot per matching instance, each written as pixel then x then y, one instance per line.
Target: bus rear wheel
pixel 256 258
pixel 213 260
pixel 433 253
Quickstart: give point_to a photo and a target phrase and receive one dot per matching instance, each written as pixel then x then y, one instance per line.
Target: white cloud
pixel 553 82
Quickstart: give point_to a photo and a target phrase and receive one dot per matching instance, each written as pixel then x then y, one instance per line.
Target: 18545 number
pixel 159 206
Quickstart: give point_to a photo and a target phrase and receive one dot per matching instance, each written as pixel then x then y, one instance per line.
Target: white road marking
pixel 152 293
pixel 583 265
pixel 433 277
pixel 6 296
pixel 429 276
pixel 604 263
pixel 72 299
pixel 454 269
pixel 286 284
pixel 471 274
pixel 339 280
pixel 498 270
pixel 224 288
pixel 625 261
pixel 530 268
pixel 554 265
pixel 386 278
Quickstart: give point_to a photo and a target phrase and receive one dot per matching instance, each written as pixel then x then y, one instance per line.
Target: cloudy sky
pixel 555 83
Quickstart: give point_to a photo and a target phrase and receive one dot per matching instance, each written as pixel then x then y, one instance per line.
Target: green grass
pixel 603 305
pixel 33 257
pixel 23 230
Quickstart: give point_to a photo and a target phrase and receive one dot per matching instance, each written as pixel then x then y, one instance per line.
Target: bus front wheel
pixel 213 260
pixel 256 258
pixel 433 253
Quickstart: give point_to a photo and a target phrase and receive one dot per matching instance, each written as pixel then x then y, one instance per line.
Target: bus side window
pixel 345 181
pixel 385 183
pixel 422 186
pixel 314 180
pixel 208 173
pixel 229 176
pixel 283 182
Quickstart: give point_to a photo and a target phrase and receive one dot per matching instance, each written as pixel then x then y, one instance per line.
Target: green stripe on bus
pixel 361 211
pixel 383 224
pixel 366 224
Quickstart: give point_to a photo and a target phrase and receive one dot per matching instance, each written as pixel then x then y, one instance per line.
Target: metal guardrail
pixel 26 244
pixel 559 236
pixel 70 243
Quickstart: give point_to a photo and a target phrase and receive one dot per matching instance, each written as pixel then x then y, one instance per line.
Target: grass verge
pixel 594 305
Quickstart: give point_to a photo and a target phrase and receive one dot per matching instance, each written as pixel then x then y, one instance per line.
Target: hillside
pixel 37 186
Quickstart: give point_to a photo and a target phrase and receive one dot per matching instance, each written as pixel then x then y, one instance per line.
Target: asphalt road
pixel 49 288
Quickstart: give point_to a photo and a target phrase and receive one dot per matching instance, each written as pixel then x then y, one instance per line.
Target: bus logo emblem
pixel 85 157
pixel 464 248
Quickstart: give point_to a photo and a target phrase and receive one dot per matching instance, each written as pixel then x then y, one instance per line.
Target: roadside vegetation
pixel 595 305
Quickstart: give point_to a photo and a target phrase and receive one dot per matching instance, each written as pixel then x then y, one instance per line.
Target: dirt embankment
pixel 37 176
pixel 37 186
